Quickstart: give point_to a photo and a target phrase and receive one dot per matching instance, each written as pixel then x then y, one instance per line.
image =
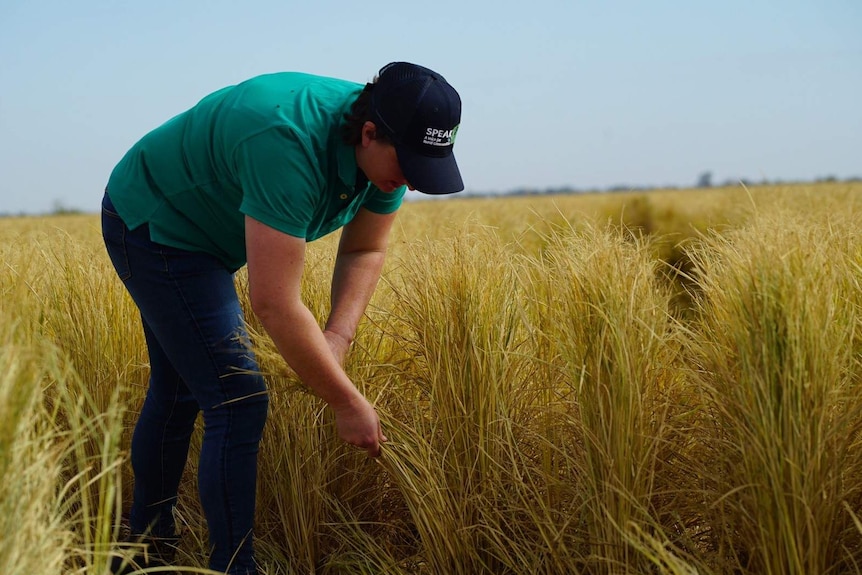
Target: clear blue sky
pixel 555 93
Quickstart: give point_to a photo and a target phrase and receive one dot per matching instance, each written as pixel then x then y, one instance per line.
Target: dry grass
pixel 777 360
pixel 662 382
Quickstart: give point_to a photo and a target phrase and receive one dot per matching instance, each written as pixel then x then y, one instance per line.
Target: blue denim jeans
pixel 200 361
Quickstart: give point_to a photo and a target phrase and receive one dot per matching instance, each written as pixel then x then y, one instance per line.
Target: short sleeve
pixel 280 180
pixel 381 202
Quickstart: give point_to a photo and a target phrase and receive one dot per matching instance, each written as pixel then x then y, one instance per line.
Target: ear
pixel 369 133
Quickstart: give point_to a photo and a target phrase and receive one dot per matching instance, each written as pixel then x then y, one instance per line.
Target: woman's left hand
pixel 338 345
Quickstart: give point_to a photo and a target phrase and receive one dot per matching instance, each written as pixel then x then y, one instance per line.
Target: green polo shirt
pixel 270 148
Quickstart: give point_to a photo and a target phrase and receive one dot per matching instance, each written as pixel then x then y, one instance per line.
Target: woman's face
pixel 378 161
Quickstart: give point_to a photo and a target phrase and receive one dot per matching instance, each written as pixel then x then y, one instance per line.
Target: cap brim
pixel 430 175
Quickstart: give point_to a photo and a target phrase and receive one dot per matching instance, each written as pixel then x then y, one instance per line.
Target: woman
pixel 248 176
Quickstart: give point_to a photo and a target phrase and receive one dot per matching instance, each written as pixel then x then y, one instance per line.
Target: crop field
pixel 663 382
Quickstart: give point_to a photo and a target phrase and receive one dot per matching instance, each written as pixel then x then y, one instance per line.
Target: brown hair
pixel 360 112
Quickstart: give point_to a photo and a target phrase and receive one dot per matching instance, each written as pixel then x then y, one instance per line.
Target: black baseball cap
pixel 420 112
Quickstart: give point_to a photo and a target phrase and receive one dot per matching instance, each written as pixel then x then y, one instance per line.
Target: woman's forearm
pixel 296 334
pixel 353 282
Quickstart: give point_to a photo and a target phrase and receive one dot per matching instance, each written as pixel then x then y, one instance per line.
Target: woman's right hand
pixel 358 424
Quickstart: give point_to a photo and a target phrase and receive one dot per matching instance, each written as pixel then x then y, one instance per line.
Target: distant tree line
pixel 704 180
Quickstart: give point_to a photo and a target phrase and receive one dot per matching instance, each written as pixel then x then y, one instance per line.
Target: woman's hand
pixel 338 344
pixel 357 424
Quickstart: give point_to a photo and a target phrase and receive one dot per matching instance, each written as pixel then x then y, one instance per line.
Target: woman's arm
pixel 361 253
pixel 275 266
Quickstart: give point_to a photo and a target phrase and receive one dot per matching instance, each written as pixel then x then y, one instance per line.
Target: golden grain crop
pixel 644 382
